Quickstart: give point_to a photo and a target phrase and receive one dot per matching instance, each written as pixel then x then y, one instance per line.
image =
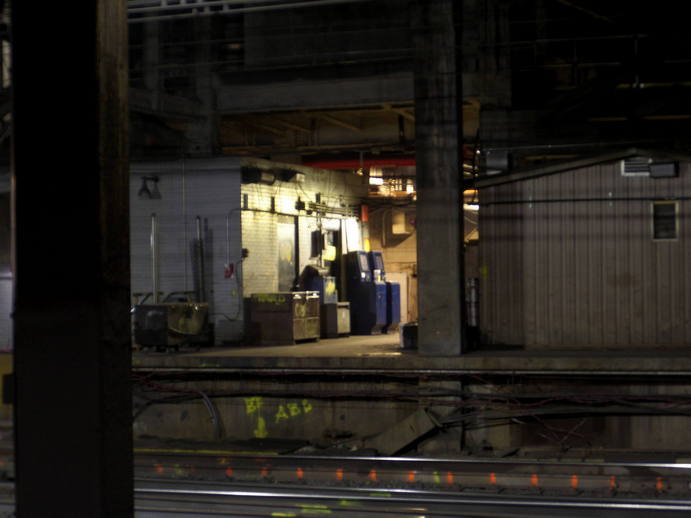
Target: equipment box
pixel 171 324
pixel 335 319
pixel 284 318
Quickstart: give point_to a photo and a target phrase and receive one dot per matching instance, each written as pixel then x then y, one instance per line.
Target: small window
pixel 665 220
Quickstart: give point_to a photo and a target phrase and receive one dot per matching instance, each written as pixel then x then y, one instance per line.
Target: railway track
pixel 568 479
pixel 162 498
pixel 188 484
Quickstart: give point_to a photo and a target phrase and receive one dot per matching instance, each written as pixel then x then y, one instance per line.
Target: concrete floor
pixel 386 345
pixel 384 352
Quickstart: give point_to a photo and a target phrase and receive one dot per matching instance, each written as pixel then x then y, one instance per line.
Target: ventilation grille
pixel 636 166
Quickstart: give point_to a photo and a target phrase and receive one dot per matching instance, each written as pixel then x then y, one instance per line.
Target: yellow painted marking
pixel 314 509
pixel 437 478
pixel 349 503
pixel 260 431
pixel 270 298
pixel 281 414
pixel 294 409
pixel 253 404
pixel 306 406
pixel 278 514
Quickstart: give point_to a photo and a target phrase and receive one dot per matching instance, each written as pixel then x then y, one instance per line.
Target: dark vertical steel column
pixel 439 185
pixel 72 352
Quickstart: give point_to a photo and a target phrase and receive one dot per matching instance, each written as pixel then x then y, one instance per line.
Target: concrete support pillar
pixel 72 360
pixel 439 186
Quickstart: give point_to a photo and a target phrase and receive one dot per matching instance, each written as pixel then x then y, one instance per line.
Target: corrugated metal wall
pixel 209 189
pixel 5 312
pixel 501 266
pixel 585 273
pixel 6 283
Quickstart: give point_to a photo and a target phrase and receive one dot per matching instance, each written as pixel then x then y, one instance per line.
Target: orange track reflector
pixel 493 478
pixel 612 483
pixel 373 475
pixel 264 472
pixel 574 481
pixel 159 468
pixel 411 476
pixel 300 473
pixel 229 472
pixel 659 484
pixel 449 478
pixel 534 480
pixel 339 474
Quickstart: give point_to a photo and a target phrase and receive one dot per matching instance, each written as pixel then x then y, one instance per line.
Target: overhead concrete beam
pixel 338 122
pixel 400 111
pixel 289 95
pixel 164 105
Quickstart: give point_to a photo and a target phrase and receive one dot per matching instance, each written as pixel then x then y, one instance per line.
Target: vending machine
pixel 367 296
pixel 393 291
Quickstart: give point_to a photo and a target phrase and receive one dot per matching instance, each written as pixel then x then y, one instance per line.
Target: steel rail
pixel 451 476
pixel 340 372
pixel 411 461
pixel 417 497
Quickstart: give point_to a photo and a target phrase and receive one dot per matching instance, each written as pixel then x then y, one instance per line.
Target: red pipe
pixel 369 162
